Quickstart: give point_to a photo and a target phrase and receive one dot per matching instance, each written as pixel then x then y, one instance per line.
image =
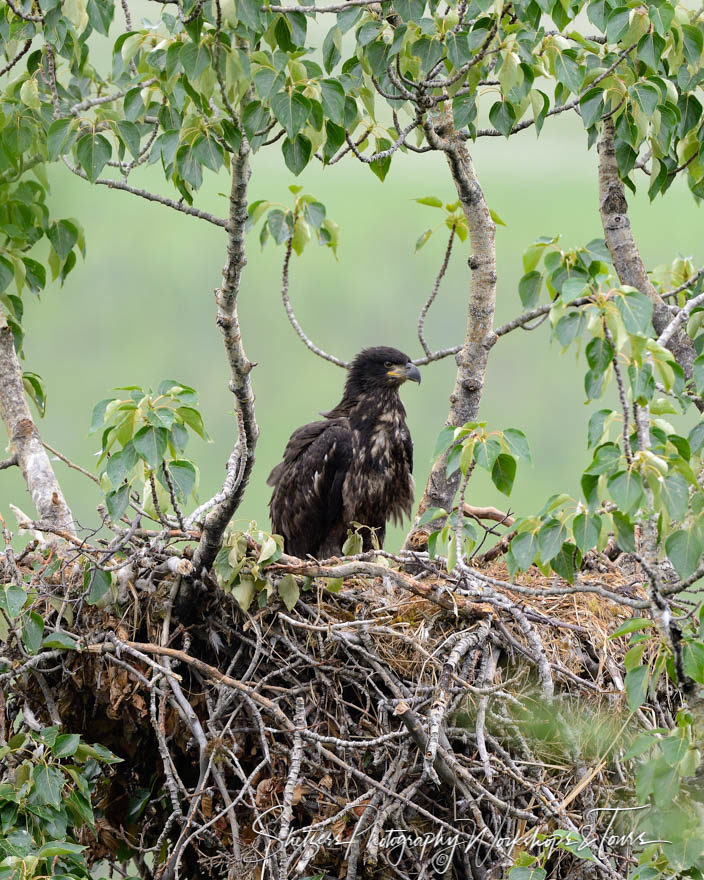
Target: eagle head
pixel 380 368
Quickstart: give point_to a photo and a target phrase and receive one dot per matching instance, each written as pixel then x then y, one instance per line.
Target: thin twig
pixel 292 317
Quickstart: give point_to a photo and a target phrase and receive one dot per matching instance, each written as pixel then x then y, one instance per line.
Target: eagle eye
pixel 388 364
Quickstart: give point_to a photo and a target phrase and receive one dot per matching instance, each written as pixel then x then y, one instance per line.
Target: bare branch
pixel 20 14
pixel 240 366
pixel 151 197
pixel 76 467
pixel 292 317
pixel 680 318
pixel 621 394
pixel 383 154
pixel 688 283
pixel 434 293
pixel 234 472
pixel 18 57
pixel 473 357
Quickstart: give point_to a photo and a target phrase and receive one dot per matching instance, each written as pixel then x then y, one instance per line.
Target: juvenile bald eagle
pixel 353 467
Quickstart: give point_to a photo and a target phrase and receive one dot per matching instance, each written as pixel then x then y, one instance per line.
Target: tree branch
pixel 240 367
pixel 433 294
pixel 292 317
pixel 24 437
pixel 149 196
pixel 625 254
pixel 479 336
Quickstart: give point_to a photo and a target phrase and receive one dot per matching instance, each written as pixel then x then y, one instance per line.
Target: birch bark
pixel 25 442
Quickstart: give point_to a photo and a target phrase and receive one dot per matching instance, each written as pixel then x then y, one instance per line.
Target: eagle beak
pixel 412 372
pixel 406 372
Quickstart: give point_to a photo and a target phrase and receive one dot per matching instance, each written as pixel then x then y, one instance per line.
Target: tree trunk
pixel 624 250
pixel 25 442
pixel 479 335
pixel 240 367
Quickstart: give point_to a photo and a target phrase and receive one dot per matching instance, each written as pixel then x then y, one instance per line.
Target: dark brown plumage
pixel 353 467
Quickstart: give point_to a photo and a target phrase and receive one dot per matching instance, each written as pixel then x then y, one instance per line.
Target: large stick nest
pixel 409 725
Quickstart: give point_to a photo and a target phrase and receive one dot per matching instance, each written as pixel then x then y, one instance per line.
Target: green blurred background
pixel 141 308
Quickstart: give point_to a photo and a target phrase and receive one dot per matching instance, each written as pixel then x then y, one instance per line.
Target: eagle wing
pixel 306 505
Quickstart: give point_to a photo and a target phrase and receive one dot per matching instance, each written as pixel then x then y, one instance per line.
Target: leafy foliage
pixel 151 432
pixel 48 802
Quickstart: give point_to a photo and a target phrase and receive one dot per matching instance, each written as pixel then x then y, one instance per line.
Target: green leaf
pixel 120 464
pixel 117 501
pixel 380 167
pixel 518 444
pixel 626 488
pixel 529 289
pixel 93 152
pixel 65 745
pixel 280 224
pixel 595 431
pixel 59 848
pixel 625 532
pixel 698 373
pixel 48 783
pixel 636 683
pixel 551 537
pixel 63 235
pixel 150 444
pixel 524 548
pixel 32 632
pixel 648 96
pixel 195 59
pixel 60 137
pixel 7 273
pixel 446 439
pixel 527 873
pixel 333 99
pixel 591 106
pixel 684 549
pixel 314 213
pixel 674 491
pixel 189 166
pixel 61 641
pixel 649 50
pixel 693 43
pixel 696 438
pixel 586 529
pixel 332 45
pixel 636 310
pixel 567 561
pixel 431 515
pixel 502 117
pixel 129 133
pixel 503 473
pixel 291 110
pixel 100 582
pixel 569 327
pixel 297 153
pixel 430 201
pixel 12 600
pixel 599 354
pixel 35 274
pixel 243 592
pixel 183 474
pixel 635 624
pixel 288 590
pixel 208 152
